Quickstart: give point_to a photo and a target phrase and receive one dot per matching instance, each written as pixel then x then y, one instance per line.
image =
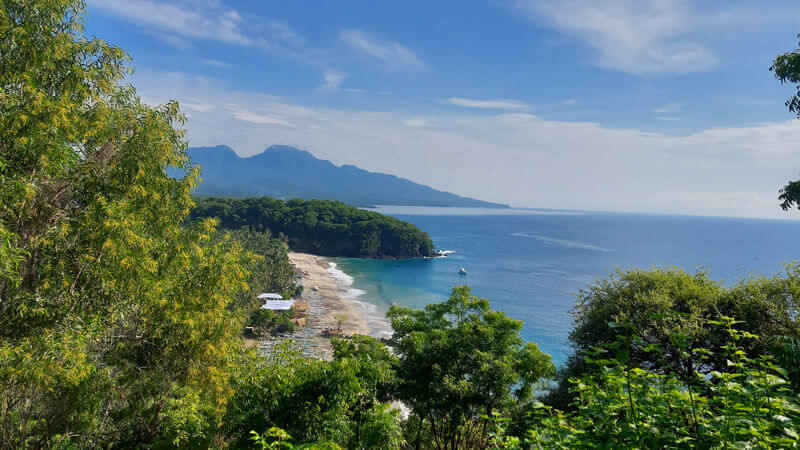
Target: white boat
pixel 462 271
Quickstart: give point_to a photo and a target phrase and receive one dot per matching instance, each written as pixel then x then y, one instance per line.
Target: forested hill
pixel 322 227
pixel 286 172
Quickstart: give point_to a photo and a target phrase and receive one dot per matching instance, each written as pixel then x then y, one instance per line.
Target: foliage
pixel 275 438
pixel 318 401
pixel 262 318
pixel 460 360
pixel 114 321
pixel 119 321
pixel 265 320
pixel 321 227
pixel 748 404
pixel 667 308
pixel 787 70
pixel 265 259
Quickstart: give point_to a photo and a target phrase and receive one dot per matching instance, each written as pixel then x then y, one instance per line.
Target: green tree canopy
pixel 667 309
pixel 787 70
pixel 114 319
pixel 746 404
pixel 320 226
pixel 343 401
pixel 458 361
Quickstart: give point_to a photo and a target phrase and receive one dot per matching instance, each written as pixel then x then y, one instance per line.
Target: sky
pixel 655 106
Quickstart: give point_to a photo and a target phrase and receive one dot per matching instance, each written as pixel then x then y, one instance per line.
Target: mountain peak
pixel 284 172
pixel 283 148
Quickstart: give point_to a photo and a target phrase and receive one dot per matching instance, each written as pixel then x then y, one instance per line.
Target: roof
pixel 278 305
pixel 271 295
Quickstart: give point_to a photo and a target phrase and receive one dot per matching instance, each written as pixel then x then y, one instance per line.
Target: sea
pixel 531 263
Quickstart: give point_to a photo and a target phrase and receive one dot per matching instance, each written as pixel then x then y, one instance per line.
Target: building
pixel 278 305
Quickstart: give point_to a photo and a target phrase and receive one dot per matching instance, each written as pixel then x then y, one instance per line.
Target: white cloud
pixel 197 106
pixel 656 36
pixel 333 78
pixel 511 105
pixel 669 108
pixel 203 20
pixel 179 22
pixel 285 33
pixel 260 119
pixel 215 63
pixel 389 54
pixel 635 36
pixel 510 156
pixel 416 122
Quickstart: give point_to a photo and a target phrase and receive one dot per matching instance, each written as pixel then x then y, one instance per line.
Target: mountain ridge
pixel 282 171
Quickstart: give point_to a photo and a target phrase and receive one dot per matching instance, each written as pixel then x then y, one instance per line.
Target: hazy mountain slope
pixel 286 172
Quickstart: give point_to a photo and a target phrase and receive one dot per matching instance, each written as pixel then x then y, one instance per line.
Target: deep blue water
pixel 530 265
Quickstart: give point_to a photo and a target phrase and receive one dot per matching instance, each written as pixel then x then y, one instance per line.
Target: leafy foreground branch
pixel 748 405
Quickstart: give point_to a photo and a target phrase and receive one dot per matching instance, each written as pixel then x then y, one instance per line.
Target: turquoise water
pixel 529 264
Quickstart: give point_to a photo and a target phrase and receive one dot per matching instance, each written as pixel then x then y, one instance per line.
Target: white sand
pixel 321 282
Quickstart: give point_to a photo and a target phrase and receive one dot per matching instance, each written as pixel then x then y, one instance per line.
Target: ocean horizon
pixel 530 263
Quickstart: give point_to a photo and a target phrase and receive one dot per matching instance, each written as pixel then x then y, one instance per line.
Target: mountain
pixel 286 172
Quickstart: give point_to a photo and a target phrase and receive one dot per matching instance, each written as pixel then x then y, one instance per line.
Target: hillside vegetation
pixel 321 227
pixel 120 316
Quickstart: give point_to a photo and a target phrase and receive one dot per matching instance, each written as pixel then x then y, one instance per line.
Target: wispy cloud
pixel 509 156
pixel 203 20
pixel 284 33
pixel 179 22
pixel 669 108
pixel 260 119
pixel 416 122
pixel 655 36
pixel 332 79
pixel 635 36
pixel 215 63
pixel 389 54
pixel 504 104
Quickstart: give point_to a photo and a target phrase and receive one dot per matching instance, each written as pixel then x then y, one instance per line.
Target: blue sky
pixel 630 105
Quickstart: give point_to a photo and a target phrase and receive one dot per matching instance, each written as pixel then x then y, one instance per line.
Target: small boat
pixel 462 271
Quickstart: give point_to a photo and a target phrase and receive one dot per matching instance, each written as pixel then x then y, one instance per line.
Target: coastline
pixel 330 294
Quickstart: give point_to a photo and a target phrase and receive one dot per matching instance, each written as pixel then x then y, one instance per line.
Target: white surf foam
pixel 378 325
pixel 338 275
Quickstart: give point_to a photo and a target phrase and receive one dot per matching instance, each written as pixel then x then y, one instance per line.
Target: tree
pixel 458 361
pixel 667 309
pixel 787 70
pixel 321 226
pixel 114 321
pixel 746 404
pixel 342 402
pixel 340 319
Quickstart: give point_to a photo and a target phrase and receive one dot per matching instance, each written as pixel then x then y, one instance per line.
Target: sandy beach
pixel 334 295
pixel 330 299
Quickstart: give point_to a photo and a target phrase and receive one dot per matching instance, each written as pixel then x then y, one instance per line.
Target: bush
pixel 746 405
pixel 669 309
pixel 263 319
pixel 315 401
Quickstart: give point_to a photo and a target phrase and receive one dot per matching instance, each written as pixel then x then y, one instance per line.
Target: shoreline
pixel 331 297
